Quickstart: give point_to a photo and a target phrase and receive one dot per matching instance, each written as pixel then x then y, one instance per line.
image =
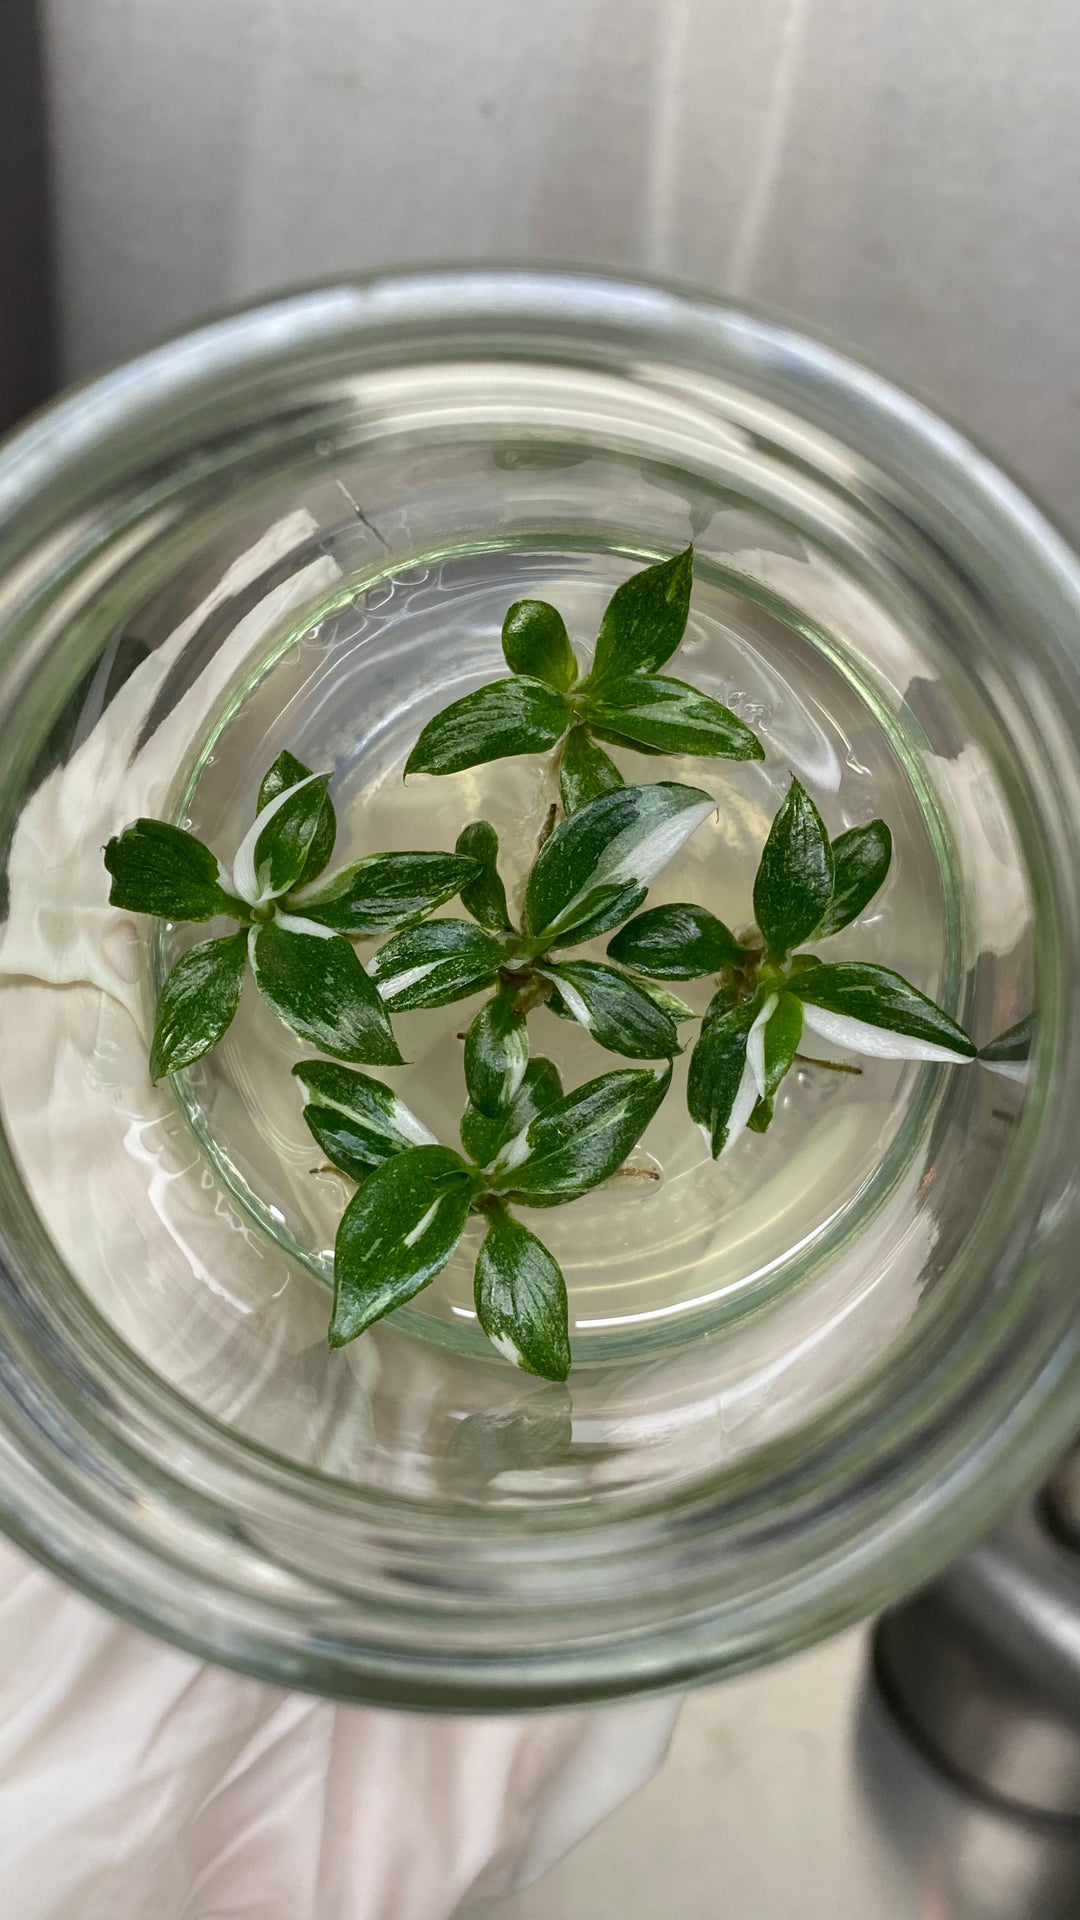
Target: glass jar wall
pixel 804 1375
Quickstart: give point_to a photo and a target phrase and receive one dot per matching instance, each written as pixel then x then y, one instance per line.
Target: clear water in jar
pixel 679 1243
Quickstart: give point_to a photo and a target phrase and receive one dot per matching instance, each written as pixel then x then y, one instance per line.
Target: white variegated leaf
pixel 880 1043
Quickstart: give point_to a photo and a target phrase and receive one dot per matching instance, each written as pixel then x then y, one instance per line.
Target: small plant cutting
pixel 547 702
pixel 414 1195
pixel 295 931
pixel 807 887
pixel 525 1143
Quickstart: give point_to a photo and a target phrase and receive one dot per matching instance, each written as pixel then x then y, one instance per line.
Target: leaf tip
pixel 557 1370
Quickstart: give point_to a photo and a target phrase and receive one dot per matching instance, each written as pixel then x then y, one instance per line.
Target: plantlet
pixel 414 1196
pixel 296 930
pixel 807 887
pixel 591 873
pixel 548 702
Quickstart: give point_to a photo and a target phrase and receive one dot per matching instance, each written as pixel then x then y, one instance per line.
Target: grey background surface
pixel 903 173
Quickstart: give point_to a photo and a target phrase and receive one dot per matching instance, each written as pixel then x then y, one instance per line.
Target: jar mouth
pixel 208 1535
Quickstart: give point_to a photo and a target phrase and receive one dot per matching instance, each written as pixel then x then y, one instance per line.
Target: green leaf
pixel 679 942
pixel 384 891
pixel 645 620
pixel 521 1298
pixel 484 896
pixel 274 852
pixel 669 717
pixel 496 1053
pixel 430 965
pixel 504 718
pixel 160 869
pixel 197 1002
pixel 535 642
pixel 782 1033
pixel 861 860
pixel 314 982
pixel 482 1136
pixel 794 883
pixel 873 1010
pixel 720 1090
pixel 578 1143
pixel 618 1013
pixel 612 846
pixel 397 1232
pixel 288 771
pixel 609 907
pixel 585 771
pixel 668 1003
pixel 357 1121
pixel 1011 1047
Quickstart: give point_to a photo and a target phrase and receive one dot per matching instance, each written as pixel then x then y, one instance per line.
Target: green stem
pixel 549 825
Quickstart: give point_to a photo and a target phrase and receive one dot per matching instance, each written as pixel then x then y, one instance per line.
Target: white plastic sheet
pixel 135 1780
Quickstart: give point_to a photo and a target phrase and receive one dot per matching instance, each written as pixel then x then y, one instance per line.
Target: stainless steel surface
pixel 793 1795
pixel 984 1668
pixel 26 367
pixel 1061 1501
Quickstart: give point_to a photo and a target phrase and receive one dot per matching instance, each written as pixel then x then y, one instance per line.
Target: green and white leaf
pixel 645 620
pixel 667 1001
pixel 677 942
pixel 506 717
pixel 431 965
pixel 384 891
pixel 610 907
pixel 521 1298
pixel 274 851
pixel 794 884
pixel 288 771
pixel 484 896
pixel 496 1053
pixel 358 1122
pixel 781 1034
pixel 535 642
pixel 482 1135
pixel 670 717
pixel 313 981
pixel 585 771
pixel 871 1010
pixel 579 1142
pixel 861 860
pixel 1010 1053
pixel 397 1232
pixel 197 1002
pixel 613 846
pixel 621 1015
pixel 162 870
pixel 727 1069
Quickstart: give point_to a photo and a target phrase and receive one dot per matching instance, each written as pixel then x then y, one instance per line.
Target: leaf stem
pixel 549 826
pixel 834 1066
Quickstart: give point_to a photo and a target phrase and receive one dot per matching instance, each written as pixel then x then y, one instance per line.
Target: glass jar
pixel 303 523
